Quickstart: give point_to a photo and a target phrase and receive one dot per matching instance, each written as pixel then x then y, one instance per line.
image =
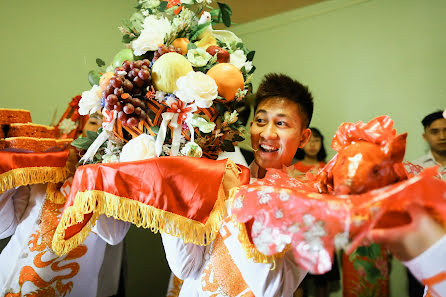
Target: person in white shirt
pixel 29 266
pixel 222 268
pixel 435 135
pixel 434 125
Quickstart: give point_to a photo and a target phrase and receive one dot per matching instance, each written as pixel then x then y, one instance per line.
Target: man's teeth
pixel 268 148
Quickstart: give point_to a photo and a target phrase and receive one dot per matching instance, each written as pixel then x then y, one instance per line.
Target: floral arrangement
pixel 174 90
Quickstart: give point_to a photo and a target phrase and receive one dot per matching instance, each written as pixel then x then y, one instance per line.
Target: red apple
pixel 222 54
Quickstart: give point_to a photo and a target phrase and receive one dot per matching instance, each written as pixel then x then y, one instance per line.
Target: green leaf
pixel 155 129
pixel 199 29
pixel 250 55
pixel 82 143
pixel 239 45
pixel 93 77
pixel 163 6
pixel 92 135
pixel 372 252
pixel 100 62
pixel 227 146
pixel 226 13
pixel 191 45
pixel 214 12
pixel 372 274
pixel 220 108
pixel 127 38
pixel 252 70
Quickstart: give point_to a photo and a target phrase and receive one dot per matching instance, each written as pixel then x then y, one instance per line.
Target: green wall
pixel 361 59
pixel 48 47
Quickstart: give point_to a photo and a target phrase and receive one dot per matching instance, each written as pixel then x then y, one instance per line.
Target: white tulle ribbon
pixel 102 137
pixel 172 119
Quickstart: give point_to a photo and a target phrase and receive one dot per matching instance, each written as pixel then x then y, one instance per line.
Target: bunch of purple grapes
pixel 164 50
pixel 126 90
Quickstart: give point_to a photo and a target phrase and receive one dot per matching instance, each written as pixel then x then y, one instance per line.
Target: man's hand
pixel 408 241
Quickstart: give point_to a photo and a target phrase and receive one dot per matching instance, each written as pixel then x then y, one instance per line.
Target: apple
pixel 222 54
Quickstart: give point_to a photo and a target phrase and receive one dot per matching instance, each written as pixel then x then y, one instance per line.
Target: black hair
pixel 427 121
pixel 321 155
pixel 276 85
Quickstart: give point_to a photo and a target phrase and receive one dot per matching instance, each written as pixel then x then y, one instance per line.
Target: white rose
pixel 153 33
pixel 139 148
pixel 198 87
pixel 238 59
pixel 191 149
pixel 90 101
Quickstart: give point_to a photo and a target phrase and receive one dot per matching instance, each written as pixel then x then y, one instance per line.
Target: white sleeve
pixel 8 221
pixel 13 204
pixel 430 267
pixel 111 230
pixel 235 156
pixel 185 259
pixel 263 280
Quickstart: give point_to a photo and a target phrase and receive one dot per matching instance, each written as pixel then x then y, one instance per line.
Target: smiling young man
pixel 222 268
pixel 283 113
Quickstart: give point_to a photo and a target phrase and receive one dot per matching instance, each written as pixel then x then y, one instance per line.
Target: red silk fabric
pixel 15 160
pixel 181 185
pixel 285 210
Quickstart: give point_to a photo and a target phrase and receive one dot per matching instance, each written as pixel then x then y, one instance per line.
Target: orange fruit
pixel 181 43
pixel 229 79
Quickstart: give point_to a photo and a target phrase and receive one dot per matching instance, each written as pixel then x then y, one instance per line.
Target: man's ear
pixel 305 136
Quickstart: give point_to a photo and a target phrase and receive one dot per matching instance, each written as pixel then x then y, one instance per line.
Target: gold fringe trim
pixel 140 214
pixel 250 250
pixel 54 195
pixel 32 175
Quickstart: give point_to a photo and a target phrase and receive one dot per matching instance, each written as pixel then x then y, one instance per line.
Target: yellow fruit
pixel 181 43
pixel 105 78
pixel 206 39
pixel 167 69
pixel 229 80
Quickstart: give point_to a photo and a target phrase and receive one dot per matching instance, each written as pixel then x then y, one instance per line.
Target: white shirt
pixel 27 263
pixel 431 266
pixel 428 160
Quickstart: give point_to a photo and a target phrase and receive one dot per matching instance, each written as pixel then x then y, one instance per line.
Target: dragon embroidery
pixel 55 267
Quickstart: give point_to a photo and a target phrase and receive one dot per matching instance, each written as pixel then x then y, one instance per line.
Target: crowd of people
pixel 280 135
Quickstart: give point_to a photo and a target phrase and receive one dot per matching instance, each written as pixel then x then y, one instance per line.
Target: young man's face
pixel 277 132
pixel 435 136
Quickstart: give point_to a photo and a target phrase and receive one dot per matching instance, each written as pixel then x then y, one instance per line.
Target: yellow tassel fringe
pixel 32 175
pixel 250 250
pixel 140 214
pixel 54 195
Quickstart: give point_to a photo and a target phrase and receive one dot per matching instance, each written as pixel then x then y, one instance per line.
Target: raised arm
pixel 185 259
